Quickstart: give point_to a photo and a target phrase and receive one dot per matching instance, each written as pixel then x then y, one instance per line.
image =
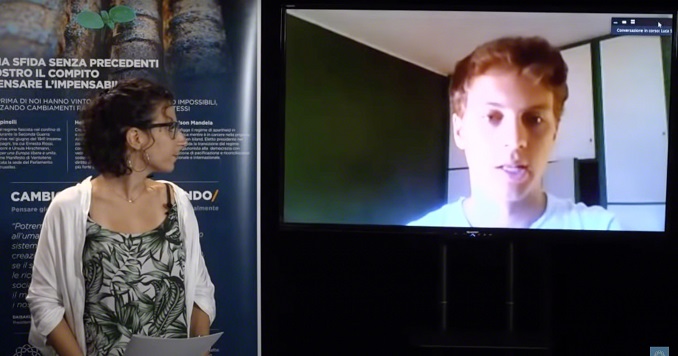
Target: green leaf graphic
pixel 89 19
pixel 122 13
pixel 107 19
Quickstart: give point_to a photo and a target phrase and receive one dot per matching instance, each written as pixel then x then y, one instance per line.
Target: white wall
pixel 635 121
pixel 576 135
pixel 635 129
pixel 640 217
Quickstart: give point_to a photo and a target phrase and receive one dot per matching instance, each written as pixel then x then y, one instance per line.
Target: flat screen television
pixel 472 121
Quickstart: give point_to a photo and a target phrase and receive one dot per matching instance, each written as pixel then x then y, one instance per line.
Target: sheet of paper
pixel 147 346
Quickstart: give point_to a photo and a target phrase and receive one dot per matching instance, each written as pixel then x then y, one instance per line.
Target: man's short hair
pixel 533 57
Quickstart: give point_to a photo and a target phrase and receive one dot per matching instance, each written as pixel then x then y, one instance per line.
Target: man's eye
pixel 534 120
pixel 493 116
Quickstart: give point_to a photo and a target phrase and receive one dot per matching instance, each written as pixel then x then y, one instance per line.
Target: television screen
pixel 476 119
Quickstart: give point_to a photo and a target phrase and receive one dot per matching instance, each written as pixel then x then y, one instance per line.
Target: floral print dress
pixel 134 284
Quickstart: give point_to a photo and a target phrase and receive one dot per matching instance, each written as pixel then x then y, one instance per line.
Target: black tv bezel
pixel 273 118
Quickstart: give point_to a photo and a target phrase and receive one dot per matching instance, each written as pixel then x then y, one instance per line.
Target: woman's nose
pixel 181 138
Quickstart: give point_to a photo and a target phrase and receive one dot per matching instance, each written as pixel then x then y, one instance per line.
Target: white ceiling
pixel 437 40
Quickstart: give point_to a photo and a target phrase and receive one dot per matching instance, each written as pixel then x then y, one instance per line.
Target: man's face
pixel 508 131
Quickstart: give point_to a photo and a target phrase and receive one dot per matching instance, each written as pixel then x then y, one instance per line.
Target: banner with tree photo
pixel 54 54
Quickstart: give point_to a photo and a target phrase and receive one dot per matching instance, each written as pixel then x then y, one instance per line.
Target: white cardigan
pixel 57 287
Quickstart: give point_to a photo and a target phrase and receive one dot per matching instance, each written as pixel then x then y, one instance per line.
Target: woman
pixel 120 254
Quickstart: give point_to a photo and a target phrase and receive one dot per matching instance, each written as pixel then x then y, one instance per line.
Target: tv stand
pixel 508 339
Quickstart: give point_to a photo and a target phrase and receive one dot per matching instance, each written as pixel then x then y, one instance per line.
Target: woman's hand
pixel 200 324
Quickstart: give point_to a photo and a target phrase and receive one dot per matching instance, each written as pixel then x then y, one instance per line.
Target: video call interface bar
pixel 641 26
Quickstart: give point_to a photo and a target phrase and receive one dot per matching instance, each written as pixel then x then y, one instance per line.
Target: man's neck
pixel 482 211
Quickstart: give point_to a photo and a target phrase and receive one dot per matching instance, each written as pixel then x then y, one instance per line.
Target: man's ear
pixel 457 131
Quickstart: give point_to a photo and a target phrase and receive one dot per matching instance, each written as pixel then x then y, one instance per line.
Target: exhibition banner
pixel 54 54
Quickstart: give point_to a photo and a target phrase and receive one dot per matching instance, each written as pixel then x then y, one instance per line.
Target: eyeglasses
pixel 172 127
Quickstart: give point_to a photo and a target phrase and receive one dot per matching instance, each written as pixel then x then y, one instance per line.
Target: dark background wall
pixel 357 293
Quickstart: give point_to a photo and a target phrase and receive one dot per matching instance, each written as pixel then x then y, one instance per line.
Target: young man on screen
pixel 507 98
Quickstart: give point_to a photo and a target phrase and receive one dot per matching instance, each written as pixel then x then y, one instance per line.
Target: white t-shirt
pixel 560 214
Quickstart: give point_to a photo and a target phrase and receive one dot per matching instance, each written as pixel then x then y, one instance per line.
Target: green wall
pixel 366 134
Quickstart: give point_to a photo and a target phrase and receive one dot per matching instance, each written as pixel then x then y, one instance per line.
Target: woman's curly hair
pixel 108 115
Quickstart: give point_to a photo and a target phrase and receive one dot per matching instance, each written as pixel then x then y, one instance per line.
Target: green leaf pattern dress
pixel 134 284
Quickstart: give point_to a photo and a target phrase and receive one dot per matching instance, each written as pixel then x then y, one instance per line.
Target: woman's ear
pixel 135 138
